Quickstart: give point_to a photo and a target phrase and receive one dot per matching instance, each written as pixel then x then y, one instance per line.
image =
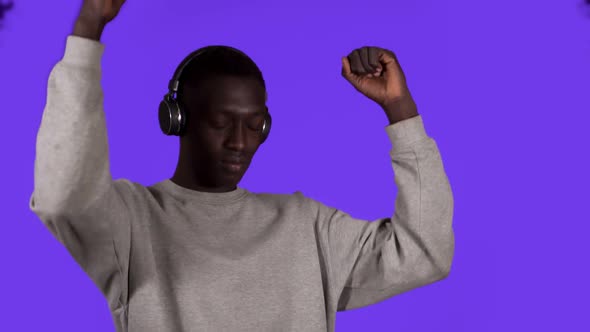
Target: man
pixel 199 253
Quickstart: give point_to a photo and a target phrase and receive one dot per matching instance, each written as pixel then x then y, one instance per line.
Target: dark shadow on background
pixel 4 7
pixel 585 8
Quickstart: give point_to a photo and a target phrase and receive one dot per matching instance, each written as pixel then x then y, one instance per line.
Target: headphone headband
pixel 175 81
pixel 171 116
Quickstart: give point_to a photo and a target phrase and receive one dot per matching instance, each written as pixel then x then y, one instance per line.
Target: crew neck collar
pixel 203 196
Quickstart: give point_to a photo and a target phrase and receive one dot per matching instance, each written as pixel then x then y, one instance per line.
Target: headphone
pixel 172 116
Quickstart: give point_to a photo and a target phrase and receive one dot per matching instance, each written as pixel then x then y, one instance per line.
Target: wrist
pixel 87 27
pixel 401 109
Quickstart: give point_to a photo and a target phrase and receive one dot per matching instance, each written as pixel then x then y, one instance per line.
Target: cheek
pixel 211 145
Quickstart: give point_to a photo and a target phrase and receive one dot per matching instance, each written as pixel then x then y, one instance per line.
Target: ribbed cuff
pixel 83 52
pixel 406 132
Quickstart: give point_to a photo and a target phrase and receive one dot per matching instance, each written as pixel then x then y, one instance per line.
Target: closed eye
pixel 222 125
pixel 254 123
pixel 257 126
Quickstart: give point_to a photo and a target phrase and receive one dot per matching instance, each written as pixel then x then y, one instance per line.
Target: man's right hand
pixel 93 17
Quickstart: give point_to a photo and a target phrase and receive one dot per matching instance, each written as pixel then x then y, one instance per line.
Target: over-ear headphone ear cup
pixel 171 117
pixel 165 117
pixel 182 118
pixel 267 125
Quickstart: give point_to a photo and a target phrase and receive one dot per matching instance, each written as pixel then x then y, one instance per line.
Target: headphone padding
pixel 170 117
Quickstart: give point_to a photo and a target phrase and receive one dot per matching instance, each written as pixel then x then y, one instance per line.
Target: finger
pixel 118 4
pixel 374 59
pixel 355 63
pixel 364 55
pixel 389 60
pixel 346 71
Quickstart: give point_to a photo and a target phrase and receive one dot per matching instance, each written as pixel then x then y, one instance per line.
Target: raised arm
pixel 74 194
pixel 72 160
pixel 368 262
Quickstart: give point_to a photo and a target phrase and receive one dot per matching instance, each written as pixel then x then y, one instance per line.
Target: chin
pixel 230 178
pixel 229 171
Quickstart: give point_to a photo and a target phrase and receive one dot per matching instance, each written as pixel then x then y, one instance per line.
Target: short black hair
pixel 215 61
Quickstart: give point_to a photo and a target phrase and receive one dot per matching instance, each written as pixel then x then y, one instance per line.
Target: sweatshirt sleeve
pixel 368 262
pixel 74 194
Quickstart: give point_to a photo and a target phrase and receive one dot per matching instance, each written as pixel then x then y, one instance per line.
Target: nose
pixel 237 137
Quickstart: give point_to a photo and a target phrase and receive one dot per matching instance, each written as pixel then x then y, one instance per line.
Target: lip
pixel 234 160
pixel 233 166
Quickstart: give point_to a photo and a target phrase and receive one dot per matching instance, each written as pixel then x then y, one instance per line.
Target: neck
pixel 189 181
pixel 188 175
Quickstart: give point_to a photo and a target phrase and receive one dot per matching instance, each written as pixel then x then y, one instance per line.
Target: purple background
pixel 503 87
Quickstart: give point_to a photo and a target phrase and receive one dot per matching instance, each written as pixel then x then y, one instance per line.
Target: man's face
pixel 225 117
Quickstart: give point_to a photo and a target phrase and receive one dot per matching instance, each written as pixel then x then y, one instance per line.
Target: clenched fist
pixel 94 15
pixel 376 73
pixel 102 10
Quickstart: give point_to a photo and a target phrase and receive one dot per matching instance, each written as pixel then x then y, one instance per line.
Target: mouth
pixel 233 166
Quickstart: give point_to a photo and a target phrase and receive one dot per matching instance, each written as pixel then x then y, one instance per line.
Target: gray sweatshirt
pixel 168 258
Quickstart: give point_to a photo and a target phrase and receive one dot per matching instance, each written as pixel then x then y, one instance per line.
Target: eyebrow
pixel 225 111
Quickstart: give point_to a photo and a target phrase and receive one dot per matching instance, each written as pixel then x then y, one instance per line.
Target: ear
pixel 268 118
pixel 268 121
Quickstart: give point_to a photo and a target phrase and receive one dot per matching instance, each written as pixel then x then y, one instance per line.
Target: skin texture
pixel 222 118
pixel 224 122
pixel 376 73
pixel 94 15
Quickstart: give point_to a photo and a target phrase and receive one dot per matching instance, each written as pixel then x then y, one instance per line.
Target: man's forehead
pixel 230 90
pixel 240 110
pixel 230 96
pixel 233 82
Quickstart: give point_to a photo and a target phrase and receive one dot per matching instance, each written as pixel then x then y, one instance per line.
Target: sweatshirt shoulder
pixel 139 198
pixel 129 188
pixel 295 199
pixel 298 203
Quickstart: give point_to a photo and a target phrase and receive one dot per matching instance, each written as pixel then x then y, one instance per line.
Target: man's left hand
pixel 376 73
